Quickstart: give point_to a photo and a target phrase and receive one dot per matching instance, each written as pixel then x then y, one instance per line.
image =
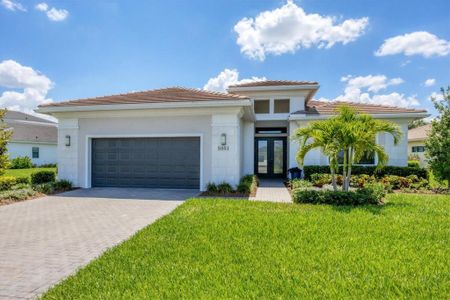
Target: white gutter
pixel 300 117
pixel 162 105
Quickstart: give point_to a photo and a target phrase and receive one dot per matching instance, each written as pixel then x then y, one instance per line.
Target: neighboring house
pixel 416 142
pixel 32 136
pixel 185 138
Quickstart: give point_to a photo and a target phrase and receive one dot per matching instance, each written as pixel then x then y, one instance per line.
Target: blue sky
pixel 74 49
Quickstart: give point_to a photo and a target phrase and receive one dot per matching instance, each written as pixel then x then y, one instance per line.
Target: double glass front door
pixel 270 156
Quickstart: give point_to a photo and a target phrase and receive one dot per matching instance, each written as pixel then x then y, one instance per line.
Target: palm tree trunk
pixel 333 178
pixel 344 170
pixel 349 173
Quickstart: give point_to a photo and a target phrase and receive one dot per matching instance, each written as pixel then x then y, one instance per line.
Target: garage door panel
pixel 146 162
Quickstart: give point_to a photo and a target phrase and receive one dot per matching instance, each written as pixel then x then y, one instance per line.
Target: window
pixel 281 106
pixel 367 159
pixel 262 106
pixel 416 149
pixel 35 152
pixel 270 130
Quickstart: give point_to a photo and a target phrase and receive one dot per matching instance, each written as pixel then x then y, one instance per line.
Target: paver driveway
pixel 44 240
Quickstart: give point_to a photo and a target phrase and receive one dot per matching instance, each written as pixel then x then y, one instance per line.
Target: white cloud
pixel 226 78
pixel 42 6
pixel 12 5
pixel 415 43
pixel 437 96
pixel 373 83
pixel 288 28
pixel 430 82
pixel 57 14
pixel 33 84
pixel 53 14
pixel 364 89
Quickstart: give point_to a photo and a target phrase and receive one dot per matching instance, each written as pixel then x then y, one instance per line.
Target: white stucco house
pixel 32 136
pixel 185 138
pixel 416 143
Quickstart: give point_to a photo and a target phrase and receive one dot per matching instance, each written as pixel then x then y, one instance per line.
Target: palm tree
pixel 322 135
pixel 349 132
pixel 358 137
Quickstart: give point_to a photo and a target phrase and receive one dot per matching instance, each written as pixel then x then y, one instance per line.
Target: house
pixel 32 136
pixel 184 138
pixel 416 143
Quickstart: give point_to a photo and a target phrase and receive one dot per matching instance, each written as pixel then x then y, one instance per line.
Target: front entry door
pixel 270 156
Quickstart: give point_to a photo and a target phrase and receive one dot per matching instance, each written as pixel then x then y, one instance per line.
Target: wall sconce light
pixel 223 139
pixel 67 140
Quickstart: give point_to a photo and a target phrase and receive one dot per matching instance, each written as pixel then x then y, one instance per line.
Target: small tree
pixel 5 134
pixel 437 146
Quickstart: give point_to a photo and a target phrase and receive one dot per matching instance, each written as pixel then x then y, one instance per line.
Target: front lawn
pixel 243 249
pixel 25 172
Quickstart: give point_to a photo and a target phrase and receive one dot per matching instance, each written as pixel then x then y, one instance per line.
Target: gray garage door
pixel 146 162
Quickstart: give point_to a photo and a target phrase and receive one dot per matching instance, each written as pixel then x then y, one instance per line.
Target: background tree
pixel 437 146
pixel 417 123
pixel 5 134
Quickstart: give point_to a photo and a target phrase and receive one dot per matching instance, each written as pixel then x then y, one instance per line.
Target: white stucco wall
pixel 216 165
pixel 248 140
pixel 398 154
pixel 226 163
pixel 47 152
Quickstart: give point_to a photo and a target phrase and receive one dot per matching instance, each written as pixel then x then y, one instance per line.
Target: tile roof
pixel 171 94
pixel 28 128
pixel 419 133
pixel 329 108
pixel 273 83
pixel 17 115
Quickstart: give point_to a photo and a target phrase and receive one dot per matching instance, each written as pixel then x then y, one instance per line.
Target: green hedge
pixel 369 170
pixel 43 177
pixel 372 194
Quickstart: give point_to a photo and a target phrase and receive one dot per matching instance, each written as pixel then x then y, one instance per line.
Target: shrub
pixel 19 194
pixel 21 162
pixel 224 188
pixel 299 184
pixel 6 182
pixel 320 180
pixel 396 182
pixel 247 184
pixel 413 164
pixel 19 186
pixel 44 188
pixel 23 179
pixel 361 180
pixel 369 170
pixel 211 187
pixel 369 195
pixel 62 185
pixel 43 177
pixel 373 192
pixel 46 166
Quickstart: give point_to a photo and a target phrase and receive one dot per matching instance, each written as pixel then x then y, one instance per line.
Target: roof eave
pixel 409 115
pixel 159 105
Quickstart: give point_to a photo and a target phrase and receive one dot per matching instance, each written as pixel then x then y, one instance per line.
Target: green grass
pixel 242 249
pixel 25 172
